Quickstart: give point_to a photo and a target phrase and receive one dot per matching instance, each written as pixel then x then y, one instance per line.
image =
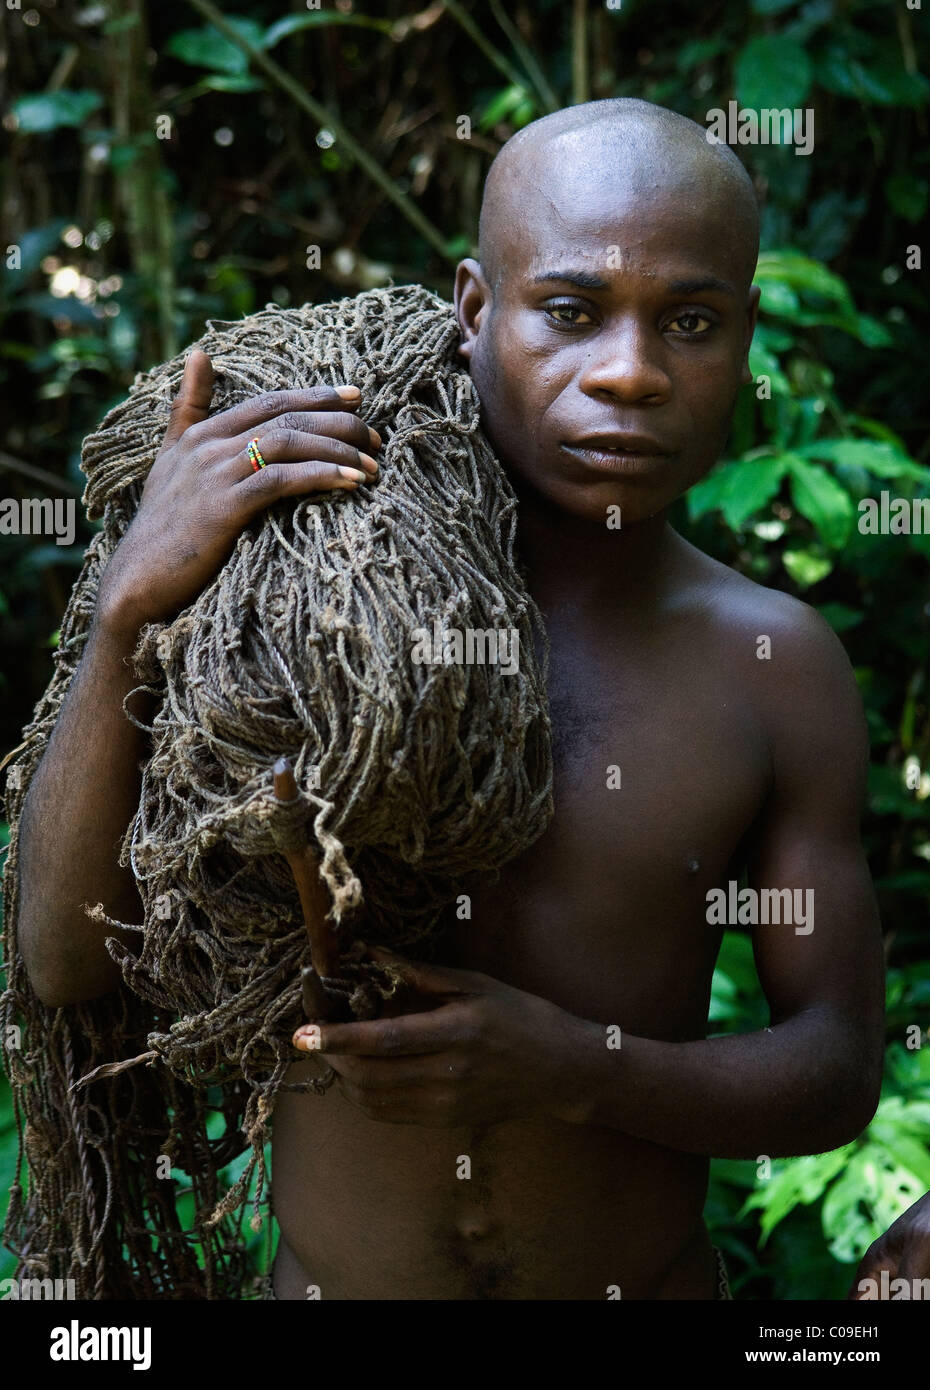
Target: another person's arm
pixel 199 495
pixel 904 1251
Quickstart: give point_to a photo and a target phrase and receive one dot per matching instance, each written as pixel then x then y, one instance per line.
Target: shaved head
pixel 594 152
pixel 614 302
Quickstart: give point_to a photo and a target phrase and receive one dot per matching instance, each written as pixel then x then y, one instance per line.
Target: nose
pixel 626 365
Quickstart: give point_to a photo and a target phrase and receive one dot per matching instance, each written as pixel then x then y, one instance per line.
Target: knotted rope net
pixel 412 777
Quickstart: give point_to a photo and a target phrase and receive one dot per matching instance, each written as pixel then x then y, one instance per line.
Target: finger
pixel 312 424
pixel 405 1035
pixel 425 977
pixel 278 480
pixel 258 409
pixel 191 405
pixel 284 446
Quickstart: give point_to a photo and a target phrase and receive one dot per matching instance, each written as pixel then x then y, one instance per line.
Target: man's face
pixel 609 360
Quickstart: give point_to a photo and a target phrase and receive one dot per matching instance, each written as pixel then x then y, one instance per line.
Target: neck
pixel 574 563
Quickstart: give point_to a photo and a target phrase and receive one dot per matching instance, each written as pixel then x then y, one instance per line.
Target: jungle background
pixel 164 164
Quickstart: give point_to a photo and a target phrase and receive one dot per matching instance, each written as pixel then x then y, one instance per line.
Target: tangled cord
pixel 411 777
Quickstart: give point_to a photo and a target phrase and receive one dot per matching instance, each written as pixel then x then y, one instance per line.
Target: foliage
pixel 833 1205
pixel 128 242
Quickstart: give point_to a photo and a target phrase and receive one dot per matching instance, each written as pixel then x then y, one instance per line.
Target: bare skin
pixel 589 1163
pixel 903 1251
pixel 200 493
pixel 622 306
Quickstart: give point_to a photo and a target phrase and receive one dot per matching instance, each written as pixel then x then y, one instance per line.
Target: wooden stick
pixel 314 900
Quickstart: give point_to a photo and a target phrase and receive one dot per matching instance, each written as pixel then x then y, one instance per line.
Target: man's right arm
pixel 201 491
pixel 82 798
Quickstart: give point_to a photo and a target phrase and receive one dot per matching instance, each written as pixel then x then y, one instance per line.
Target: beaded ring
pixel 255 457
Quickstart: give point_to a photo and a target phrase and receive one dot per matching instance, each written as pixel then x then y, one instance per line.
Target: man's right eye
pixel 555 312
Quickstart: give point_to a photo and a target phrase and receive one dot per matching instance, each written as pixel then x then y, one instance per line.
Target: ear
pixel 472 300
pixel 752 316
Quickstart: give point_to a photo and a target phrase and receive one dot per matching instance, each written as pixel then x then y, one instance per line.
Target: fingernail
pixel 368 463
pixel 375 438
pixel 348 393
pixel 355 474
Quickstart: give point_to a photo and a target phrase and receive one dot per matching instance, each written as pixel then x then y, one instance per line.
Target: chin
pixel 591 503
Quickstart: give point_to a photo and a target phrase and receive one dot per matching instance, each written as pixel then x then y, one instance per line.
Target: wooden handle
pixel 314 899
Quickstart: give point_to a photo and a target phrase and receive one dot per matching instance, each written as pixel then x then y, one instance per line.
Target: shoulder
pixel 789 663
pixel 780 629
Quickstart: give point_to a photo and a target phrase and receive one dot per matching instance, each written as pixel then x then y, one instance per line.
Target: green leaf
pixel 818 496
pixel 797 1182
pixel 722 997
pixel 502 105
pixel 293 23
pixel 906 1151
pixel 697 51
pixel 773 337
pixel 46 111
pixel 737 961
pixel 740 1172
pixel 907 196
pixel 802 274
pixel 779 299
pixel 208 48
pixel 707 495
pixel 523 112
pixel 36 243
pixel 764 363
pixel 772 71
pixel 738 489
pixel 871 332
pixel 771 6
pixel 459 246
pixel 882 81
pixel 806 567
pixel 881 459
pixel 840 616
pixel 750 485
pixel 230 82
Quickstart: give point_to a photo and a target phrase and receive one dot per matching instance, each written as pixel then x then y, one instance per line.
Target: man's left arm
pixel 811 1081
pixel 487 1052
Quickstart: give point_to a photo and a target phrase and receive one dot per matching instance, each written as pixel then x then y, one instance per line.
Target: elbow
pixel 57 989
pixel 50 987
pixel 854 1102
pixel 58 982
pixel 58 993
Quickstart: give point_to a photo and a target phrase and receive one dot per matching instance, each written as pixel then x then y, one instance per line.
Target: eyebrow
pixel 586 281
pixel 701 285
pixel 582 278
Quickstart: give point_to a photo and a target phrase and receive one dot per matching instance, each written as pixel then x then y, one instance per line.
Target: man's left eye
pixel 691 323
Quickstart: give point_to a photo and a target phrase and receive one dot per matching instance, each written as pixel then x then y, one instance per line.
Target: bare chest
pixel 660 770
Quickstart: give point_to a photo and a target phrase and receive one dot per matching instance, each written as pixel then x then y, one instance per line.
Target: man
pixel 540 1126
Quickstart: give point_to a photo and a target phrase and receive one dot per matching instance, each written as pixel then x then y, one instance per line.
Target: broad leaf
pixel 51 110
pixel 818 496
pixel 772 71
pixel 806 567
pixel 875 456
pixel 208 48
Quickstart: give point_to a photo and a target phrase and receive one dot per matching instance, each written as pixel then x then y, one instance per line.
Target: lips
pixel 626 444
